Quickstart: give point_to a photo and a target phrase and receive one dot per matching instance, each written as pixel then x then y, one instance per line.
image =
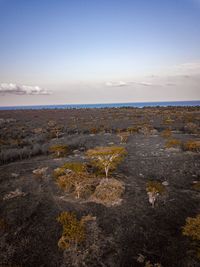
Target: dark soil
pixel 31 232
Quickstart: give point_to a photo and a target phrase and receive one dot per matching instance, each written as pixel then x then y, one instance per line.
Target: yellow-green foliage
pixel 192 145
pixel 196 186
pixel 192 228
pixel 3 224
pixel 79 183
pixel 168 120
pixel 73 230
pixel 132 130
pixel 173 143
pixel 77 167
pixel 149 264
pixel 166 133
pixel 123 136
pixel 73 176
pixel 106 158
pixel 64 182
pixel 59 150
pixel 155 187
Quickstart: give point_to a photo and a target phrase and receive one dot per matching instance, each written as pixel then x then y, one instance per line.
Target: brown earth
pixel 31 231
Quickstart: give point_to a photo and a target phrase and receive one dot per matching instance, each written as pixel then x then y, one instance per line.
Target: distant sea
pixel 108 105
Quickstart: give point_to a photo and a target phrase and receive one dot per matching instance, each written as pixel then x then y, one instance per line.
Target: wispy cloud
pixel 116 84
pixel 15 89
pixel 143 83
pixel 122 83
pixel 186 69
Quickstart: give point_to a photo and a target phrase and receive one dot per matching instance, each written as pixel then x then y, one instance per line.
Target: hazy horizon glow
pixel 84 51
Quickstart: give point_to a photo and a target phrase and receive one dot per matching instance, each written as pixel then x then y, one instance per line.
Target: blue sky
pixel 87 51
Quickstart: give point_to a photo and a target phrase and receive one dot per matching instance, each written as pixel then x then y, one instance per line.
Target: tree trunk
pixel 106 171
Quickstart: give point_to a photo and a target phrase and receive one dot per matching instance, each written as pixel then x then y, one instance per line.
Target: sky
pixel 99 51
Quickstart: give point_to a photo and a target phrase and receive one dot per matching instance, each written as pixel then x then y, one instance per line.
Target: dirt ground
pixel 29 231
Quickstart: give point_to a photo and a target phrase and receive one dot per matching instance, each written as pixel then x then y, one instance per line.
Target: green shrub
pixel 77 167
pixel 166 133
pixel 196 186
pixel 192 145
pixel 59 150
pixel 192 227
pixel 73 176
pixel 106 158
pixel 172 143
pixel 154 190
pixel 73 230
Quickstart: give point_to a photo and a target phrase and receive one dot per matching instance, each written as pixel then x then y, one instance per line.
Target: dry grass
pixel 196 186
pixel 192 145
pixel 166 133
pixel 172 143
pixel 108 192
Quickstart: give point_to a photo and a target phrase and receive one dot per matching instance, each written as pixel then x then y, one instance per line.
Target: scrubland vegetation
pixel 100 187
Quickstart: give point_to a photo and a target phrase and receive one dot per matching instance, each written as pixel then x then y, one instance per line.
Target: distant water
pixel 110 105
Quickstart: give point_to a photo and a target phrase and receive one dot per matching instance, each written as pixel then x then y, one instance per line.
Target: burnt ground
pixel 31 232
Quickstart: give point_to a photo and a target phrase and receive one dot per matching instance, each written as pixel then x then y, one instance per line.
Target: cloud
pixel 122 83
pixel 170 84
pixel 186 69
pixel 116 84
pixel 15 89
pixel 143 83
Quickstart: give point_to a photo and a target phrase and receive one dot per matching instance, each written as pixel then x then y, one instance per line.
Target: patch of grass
pixel 191 229
pixel 166 133
pixel 155 186
pixel 192 145
pixel 196 186
pixel 3 224
pixel 76 167
pixel 73 230
pixel 59 150
pixel 172 143
pixel 154 190
pixel 108 192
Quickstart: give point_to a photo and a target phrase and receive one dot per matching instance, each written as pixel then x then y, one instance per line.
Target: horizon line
pixel 105 103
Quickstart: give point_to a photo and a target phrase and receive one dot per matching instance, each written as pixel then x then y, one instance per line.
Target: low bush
pixel 154 190
pixel 192 145
pixel 108 192
pixel 191 128
pixel 59 150
pixel 191 229
pixel 73 177
pixel 123 136
pixel 172 143
pixel 196 186
pixel 166 133
pixel 106 158
pixel 76 167
pixel 73 230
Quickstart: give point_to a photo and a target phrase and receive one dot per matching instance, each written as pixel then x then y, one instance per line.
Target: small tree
pixel 123 136
pixel 192 145
pixel 73 230
pixel 192 230
pixel 106 158
pixel 192 227
pixel 59 150
pixel 77 181
pixel 74 175
pixel 154 189
pixel 166 133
